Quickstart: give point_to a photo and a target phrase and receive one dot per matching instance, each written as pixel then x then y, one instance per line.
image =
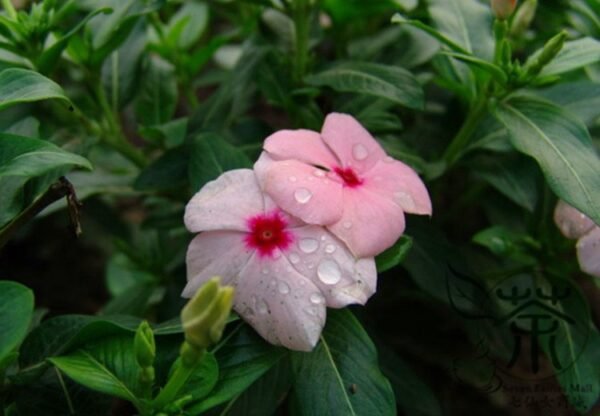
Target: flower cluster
pixel 576 225
pixel 299 232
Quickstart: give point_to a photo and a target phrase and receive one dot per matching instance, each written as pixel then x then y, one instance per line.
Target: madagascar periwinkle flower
pixel 341 178
pixel 284 271
pixel 503 8
pixel 576 225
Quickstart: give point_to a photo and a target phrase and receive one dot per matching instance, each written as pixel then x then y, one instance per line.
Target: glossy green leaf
pixel 211 156
pixel 394 255
pixel 467 22
pixel 561 145
pixel 188 24
pixel 243 359
pixel 203 379
pixel 383 81
pixel 581 98
pixel 24 156
pixel 107 366
pixel 575 54
pixel 341 376
pixel 157 99
pixel 16 311
pixel 19 85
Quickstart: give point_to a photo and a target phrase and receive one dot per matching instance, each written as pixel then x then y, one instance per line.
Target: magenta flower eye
pixel 266 232
pixel 348 176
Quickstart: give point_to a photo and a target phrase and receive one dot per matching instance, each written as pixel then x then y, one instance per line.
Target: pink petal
pixel 351 142
pixel 399 182
pixel 225 203
pixel 301 190
pixel 370 223
pixel 215 253
pixel 340 278
pixel 588 252
pixel 302 145
pixel 571 223
pixel 274 298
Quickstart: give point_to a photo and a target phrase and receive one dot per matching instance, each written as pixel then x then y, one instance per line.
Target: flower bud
pixel 551 49
pixel 523 17
pixel 503 8
pixel 144 346
pixel 204 316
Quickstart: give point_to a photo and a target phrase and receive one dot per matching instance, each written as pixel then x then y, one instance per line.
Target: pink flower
pixel 343 179
pixel 285 272
pixel 576 225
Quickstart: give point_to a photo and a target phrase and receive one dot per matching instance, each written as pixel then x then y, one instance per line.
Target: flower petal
pixel 302 145
pixel 301 190
pixel 570 221
pixel 274 298
pixel 215 253
pixel 588 252
pixel 225 203
pixel 351 142
pixel 339 276
pixel 370 223
pixel 393 179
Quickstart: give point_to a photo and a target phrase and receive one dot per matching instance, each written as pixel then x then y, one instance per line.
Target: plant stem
pixel 10 9
pixel 476 113
pixel 301 15
pixel 55 192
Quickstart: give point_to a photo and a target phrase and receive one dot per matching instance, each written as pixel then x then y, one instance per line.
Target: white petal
pixel 588 252
pixel 215 253
pixel 275 299
pixel 327 262
pixel 225 203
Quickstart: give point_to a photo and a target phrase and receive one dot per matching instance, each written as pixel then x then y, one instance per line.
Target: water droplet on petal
pixel 317 298
pixel 284 288
pixel 265 271
pixel 323 238
pixel 329 248
pixel 276 254
pixel 319 173
pixel 294 258
pixel 360 152
pixel 329 272
pixel 308 245
pixel 302 195
pixel 347 225
pixel 311 311
pixel 405 200
pixel 262 307
pixel 293 179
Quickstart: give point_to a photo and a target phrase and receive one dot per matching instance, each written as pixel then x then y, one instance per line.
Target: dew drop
pixel 360 152
pixel 294 258
pixel 311 311
pixel 302 195
pixel 329 272
pixel 316 298
pixel 323 238
pixel 308 245
pixel 262 307
pixel 293 179
pixel 405 200
pixel 347 225
pixel 276 254
pixel 284 288
pixel 319 173
pixel 265 271
pixel 329 248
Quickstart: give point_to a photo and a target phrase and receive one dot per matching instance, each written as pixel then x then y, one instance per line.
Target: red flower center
pixel 268 232
pixel 348 176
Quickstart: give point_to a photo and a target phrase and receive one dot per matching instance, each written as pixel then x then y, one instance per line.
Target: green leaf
pixel 394 255
pixel 383 81
pixel 134 301
pixel 467 22
pixel 341 376
pixel 166 172
pixel 19 85
pixel 211 156
pixel 203 379
pixel 507 243
pixel 16 311
pixel 24 156
pixel 108 366
pixel 575 54
pixel 581 98
pixel 157 99
pixel 187 25
pixel 243 359
pixel 122 273
pixel 561 145
pixel 47 61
